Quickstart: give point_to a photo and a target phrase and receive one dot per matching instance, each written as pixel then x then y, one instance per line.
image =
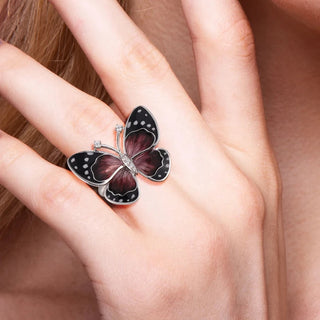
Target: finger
pixel 228 78
pixel 133 71
pixel 68 117
pixel 89 226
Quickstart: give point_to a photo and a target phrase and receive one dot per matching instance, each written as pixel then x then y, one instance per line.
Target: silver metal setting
pixel 128 163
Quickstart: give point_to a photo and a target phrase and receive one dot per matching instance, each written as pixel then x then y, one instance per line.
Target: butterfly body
pixel 114 174
pixel 128 163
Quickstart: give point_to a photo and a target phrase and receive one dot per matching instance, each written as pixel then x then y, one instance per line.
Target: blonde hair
pixel 35 27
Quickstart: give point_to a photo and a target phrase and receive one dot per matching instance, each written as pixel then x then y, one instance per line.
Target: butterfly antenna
pixel 98 145
pixel 118 131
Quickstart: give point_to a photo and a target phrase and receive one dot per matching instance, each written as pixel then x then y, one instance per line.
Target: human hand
pixel 205 244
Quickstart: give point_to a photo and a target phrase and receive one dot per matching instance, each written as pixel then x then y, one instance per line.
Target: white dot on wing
pixel 139 110
pixel 136 122
pixel 145 114
pixel 85 166
pixel 153 129
pixel 129 124
pixel 76 167
pixel 89 153
pixel 86 172
pixel 73 160
pixel 149 125
pixel 86 159
pixel 142 123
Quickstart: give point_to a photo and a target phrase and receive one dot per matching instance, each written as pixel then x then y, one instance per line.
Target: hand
pixel 205 244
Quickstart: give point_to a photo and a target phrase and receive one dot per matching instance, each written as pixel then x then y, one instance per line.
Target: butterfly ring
pixel 114 174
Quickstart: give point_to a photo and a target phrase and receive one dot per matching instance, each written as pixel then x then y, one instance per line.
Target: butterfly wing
pixel 140 136
pixel 122 188
pixel 154 164
pixel 94 167
pixel 141 132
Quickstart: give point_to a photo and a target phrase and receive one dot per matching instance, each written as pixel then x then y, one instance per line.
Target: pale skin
pixel 165 257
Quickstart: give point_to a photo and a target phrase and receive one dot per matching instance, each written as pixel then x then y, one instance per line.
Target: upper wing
pixel 94 167
pixel 141 132
pixel 154 164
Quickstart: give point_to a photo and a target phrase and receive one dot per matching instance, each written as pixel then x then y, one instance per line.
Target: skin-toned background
pixel 306 11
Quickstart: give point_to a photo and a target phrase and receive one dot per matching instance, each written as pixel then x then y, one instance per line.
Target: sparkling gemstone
pixel 128 163
pixel 119 128
pixel 97 144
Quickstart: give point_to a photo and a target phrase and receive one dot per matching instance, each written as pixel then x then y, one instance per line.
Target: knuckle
pixel 13 153
pixel 141 58
pixel 10 157
pixel 238 38
pixel 57 191
pixel 90 117
pixel 234 37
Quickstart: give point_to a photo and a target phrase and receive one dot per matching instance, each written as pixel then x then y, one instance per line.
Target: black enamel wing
pixel 114 174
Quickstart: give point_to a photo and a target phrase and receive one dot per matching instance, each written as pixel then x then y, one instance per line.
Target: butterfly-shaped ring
pixel 114 174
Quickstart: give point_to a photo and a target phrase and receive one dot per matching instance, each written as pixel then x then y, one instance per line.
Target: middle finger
pixel 133 71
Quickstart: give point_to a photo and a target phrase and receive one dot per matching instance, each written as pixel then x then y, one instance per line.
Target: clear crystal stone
pixel 97 144
pixel 119 128
pixel 128 163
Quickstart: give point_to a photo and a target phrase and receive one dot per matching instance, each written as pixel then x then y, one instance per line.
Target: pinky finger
pixel 85 222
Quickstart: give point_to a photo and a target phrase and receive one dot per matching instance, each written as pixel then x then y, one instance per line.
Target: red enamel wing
pixel 114 174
